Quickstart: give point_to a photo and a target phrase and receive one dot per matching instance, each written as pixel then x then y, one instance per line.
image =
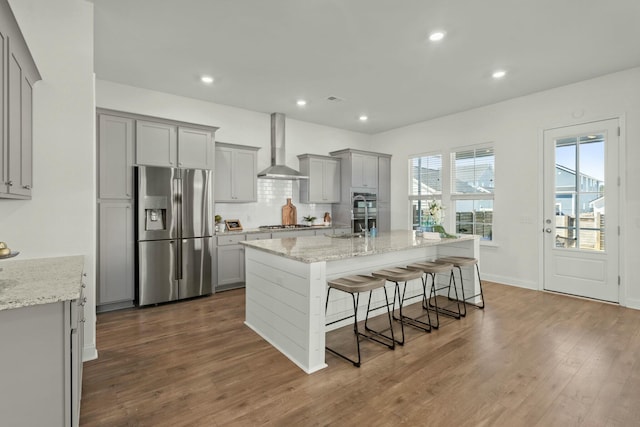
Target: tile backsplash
pixel 272 195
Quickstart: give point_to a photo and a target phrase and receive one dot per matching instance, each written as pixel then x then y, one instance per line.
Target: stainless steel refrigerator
pixel 174 233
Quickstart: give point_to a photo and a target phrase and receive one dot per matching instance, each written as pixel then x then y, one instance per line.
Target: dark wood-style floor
pixel 529 359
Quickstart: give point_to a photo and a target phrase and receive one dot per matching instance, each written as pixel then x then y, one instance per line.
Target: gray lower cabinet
pixel 116 281
pixel 42 364
pixel 18 74
pixel 292 233
pixel 230 262
pixel 333 231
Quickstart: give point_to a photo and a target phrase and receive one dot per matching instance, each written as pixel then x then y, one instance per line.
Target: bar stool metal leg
pixel 354 289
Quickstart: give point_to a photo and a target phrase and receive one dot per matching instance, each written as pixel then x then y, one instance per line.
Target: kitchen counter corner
pixel 30 282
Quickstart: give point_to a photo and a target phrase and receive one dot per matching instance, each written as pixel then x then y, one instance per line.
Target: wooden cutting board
pixel 289 214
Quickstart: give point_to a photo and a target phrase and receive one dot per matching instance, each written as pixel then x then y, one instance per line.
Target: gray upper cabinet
pixel 195 148
pixel 156 144
pixel 323 185
pixel 384 179
pixel 18 74
pixel 164 144
pixel 115 151
pixel 235 173
pixel 364 170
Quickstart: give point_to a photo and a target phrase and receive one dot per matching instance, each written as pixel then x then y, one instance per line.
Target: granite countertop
pixel 324 248
pixel 277 230
pixel 40 281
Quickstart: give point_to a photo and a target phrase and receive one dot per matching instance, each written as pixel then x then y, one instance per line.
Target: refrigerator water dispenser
pixel 155 219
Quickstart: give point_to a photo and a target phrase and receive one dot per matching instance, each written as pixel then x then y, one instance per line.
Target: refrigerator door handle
pixel 177 191
pixel 176 275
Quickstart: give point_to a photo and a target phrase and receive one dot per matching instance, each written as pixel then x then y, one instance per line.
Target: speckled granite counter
pixel 324 248
pixel 40 281
pixel 278 230
pixel 286 283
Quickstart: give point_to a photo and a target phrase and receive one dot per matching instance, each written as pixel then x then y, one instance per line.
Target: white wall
pixel 238 126
pixel 60 218
pixel 515 127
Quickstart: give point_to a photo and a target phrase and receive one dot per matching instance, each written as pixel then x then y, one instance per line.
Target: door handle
pixel 547 230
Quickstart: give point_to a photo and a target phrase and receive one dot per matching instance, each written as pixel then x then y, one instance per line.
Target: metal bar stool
pixel 402 274
pixel 354 285
pixel 459 262
pixel 430 269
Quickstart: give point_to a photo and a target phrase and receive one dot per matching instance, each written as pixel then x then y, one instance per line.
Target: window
pixel 464 185
pixel 425 183
pixel 472 190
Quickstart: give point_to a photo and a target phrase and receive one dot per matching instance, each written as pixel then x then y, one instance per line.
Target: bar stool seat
pixel 459 262
pixel 397 275
pixel 354 285
pixel 431 269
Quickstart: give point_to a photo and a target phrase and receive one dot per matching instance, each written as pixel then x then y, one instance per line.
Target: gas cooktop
pixel 279 227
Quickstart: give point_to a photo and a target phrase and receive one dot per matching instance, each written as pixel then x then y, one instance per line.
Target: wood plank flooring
pixel 529 359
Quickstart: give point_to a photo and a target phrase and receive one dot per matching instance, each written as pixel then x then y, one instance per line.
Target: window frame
pixel 478 196
pixel 426 197
pixel 447 196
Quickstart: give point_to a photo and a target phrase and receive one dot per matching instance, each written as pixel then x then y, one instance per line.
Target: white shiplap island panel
pixel 286 283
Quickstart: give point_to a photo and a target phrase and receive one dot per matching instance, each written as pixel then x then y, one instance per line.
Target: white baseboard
pixel 510 281
pixel 89 353
pixel 633 303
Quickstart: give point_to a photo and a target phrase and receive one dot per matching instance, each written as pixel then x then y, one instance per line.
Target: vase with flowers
pixel 433 215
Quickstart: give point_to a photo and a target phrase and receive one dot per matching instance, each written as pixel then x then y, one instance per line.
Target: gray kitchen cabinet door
pixel 230 265
pixel 223 174
pixel 384 216
pixel 294 233
pixel 18 74
pixel 364 170
pixel 236 173
pixel 20 158
pixel 331 182
pixel 115 148
pixel 195 148
pixel 323 185
pixel 244 176
pixel 116 257
pixel 384 179
pixel 315 182
pixel 4 177
pixel 156 144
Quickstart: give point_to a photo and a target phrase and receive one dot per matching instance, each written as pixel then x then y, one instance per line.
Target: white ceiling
pixel 266 54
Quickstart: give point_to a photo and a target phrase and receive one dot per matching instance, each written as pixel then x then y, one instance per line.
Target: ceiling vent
pixel 335 99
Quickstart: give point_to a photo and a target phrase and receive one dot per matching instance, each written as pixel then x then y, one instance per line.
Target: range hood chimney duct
pixel 278 169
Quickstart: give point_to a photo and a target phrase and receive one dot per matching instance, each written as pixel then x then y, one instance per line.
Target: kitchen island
pixel 286 283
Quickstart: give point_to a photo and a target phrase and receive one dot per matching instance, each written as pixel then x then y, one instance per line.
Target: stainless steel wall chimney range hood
pixel 278 169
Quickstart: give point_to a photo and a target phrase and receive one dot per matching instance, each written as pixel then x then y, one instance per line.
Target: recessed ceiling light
pixel 436 36
pixel 206 79
pixel 363 118
pixel 301 102
pixel 499 74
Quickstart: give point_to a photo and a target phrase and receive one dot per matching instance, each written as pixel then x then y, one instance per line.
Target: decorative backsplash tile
pixel 272 195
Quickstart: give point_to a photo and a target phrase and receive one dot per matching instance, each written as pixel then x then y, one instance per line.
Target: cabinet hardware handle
pixel 10 183
pixel 26 187
pixel 83 320
pixel 84 285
